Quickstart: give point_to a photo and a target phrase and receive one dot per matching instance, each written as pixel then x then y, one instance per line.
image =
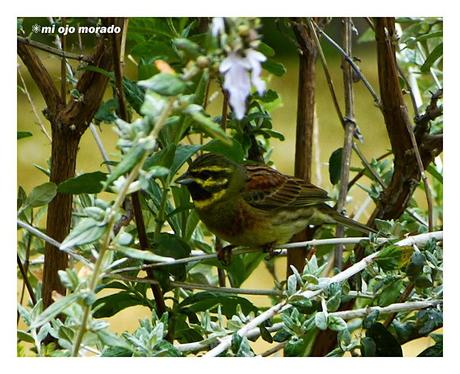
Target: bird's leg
pixel 224 254
pixel 270 251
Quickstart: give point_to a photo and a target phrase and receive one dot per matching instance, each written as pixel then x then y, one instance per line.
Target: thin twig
pixel 348 137
pixel 34 109
pixel 393 308
pixel 362 171
pixel 426 184
pixel 100 146
pixel 54 51
pixel 274 349
pixel 218 243
pixel 197 286
pixel 355 67
pixel 212 256
pixel 51 241
pixel 404 296
pixel 337 106
pixel 63 65
pixel 25 279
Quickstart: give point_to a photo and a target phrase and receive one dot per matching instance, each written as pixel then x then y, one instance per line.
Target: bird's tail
pixel 351 223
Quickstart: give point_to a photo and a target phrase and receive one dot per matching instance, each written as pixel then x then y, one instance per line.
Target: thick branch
pixel 406 174
pixel 304 128
pixel 40 76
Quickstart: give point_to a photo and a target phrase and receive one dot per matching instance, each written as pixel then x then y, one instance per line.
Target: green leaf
pixel 368 347
pixel 394 257
pixel 201 88
pixel 87 231
pixel 336 323
pixel 386 344
pixel 265 334
pixel 84 183
pixel 158 171
pixel 106 111
pixel 182 154
pixel 134 94
pixel 435 54
pixel 166 349
pixel 128 161
pixel 209 127
pixel 25 337
pixel 265 49
pixel 321 320
pixel 433 351
pixel 296 346
pixel 203 301
pixel 111 339
pixel 22 197
pixel 335 166
pixel 192 49
pixel 164 84
pixel 108 306
pixel 367 36
pixel 41 195
pixel 416 263
pixel 23 134
pixel 143 255
pixel 54 309
pixel 172 246
pixel 291 284
pixel 240 346
pixel 370 319
pixel 269 96
pixel 153 48
pixel 436 174
pixel 163 157
pixel 274 67
pixel 233 151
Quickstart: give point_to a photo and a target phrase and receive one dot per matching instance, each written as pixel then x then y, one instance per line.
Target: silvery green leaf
pixel 87 231
pixel 291 284
pixel 321 320
pixel 165 84
pixel 336 323
pixel 143 255
pixel 41 195
pixel 54 309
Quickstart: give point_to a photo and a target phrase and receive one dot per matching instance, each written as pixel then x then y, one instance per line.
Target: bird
pixel 255 205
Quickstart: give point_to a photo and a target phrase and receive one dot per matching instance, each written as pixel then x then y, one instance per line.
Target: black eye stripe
pixel 206 174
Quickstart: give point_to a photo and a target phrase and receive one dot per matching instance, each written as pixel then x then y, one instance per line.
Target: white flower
pixel 237 81
pixel 218 26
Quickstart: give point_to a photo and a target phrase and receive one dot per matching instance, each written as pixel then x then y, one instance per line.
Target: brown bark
pixel 406 176
pixel 304 128
pixel 68 123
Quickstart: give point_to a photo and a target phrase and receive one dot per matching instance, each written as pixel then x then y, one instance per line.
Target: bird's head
pixel 211 178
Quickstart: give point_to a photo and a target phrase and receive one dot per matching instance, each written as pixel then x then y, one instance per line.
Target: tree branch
pixel 54 51
pixel 304 127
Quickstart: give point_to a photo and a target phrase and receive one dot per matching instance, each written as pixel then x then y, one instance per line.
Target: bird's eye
pixel 205 175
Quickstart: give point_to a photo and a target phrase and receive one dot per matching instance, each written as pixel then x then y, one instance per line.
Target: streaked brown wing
pixel 268 189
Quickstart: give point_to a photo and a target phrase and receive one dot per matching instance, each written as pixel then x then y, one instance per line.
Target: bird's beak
pixel 185 179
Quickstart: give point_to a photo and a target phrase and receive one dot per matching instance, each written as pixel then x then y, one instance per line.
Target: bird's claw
pixel 270 251
pixel 224 254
